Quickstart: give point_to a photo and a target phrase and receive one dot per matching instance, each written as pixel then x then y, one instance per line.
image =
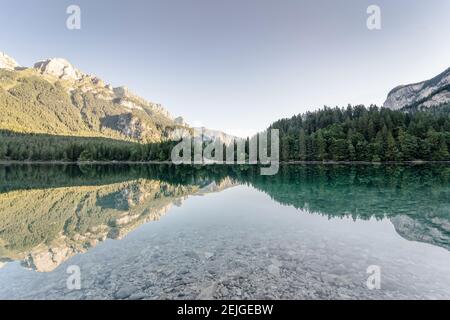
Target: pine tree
pixel 441 154
pixel 321 147
pixel 408 145
pixel 2 151
pixel 392 153
pixel 302 145
pixel 285 150
pixel 351 152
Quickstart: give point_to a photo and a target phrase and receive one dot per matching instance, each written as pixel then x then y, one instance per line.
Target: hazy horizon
pixel 237 66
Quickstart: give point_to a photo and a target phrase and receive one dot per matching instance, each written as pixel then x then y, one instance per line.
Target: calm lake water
pixel 224 232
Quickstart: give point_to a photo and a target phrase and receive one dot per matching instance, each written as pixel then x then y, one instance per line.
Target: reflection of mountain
pixel 433 231
pixel 50 213
pixel 45 227
pixel 217 186
pixel 415 199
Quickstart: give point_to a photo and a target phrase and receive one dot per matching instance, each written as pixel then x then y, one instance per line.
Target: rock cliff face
pixel 60 68
pixel 7 62
pixel 131 126
pixel 433 92
pixel 54 97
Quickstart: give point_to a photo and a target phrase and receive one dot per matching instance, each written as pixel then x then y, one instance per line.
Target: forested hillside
pixel 332 134
pixel 31 102
pixel 366 134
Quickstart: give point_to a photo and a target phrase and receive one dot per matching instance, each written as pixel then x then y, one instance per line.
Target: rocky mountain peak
pixel 6 62
pixel 60 68
pixel 429 93
pixel 180 121
pixel 117 109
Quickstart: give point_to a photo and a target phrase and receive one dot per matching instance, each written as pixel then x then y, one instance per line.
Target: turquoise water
pixel 224 232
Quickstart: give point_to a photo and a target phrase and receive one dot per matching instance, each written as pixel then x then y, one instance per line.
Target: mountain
pixel 7 62
pixel 426 94
pixel 216 135
pixel 51 213
pixel 414 198
pixel 106 211
pixel 53 97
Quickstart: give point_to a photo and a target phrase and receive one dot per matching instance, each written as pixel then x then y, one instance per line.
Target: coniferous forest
pixel 366 134
pixel 356 133
pixel 38 147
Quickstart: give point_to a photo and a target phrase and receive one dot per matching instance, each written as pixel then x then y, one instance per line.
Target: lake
pixel 224 232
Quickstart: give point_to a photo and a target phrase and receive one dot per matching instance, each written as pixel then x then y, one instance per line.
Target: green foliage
pixel 41 121
pixel 39 203
pixel 32 103
pixel 40 147
pixel 366 134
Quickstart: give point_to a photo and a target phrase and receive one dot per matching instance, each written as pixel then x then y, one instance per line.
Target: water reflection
pixel 44 227
pixel 51 213
pixel 416 199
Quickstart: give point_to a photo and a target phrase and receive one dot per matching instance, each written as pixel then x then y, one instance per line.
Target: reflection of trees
pixel 14 177
pixel 361 192
pixel 415 198
pixel 335 190
pixel 47 226
pixel 49 213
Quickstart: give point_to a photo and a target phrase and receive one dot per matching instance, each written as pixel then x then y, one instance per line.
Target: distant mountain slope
pixel 54 97
pixel 105 211
pixel 216 135
pixel 426 94
pixel 7 62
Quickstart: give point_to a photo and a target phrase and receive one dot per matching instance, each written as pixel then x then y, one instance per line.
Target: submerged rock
pixel 274 270
pixel 125 292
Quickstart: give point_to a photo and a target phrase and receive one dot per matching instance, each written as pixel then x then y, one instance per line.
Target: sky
pixel 238 65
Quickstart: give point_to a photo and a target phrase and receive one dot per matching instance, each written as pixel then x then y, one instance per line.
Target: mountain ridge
pixel 425 94
pixel 55 97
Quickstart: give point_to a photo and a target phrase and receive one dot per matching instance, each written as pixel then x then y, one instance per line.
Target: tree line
pixel 357 133
pixel 354 133
pixel 39 147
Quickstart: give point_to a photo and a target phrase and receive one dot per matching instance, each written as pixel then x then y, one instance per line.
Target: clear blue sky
pixel 238 65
